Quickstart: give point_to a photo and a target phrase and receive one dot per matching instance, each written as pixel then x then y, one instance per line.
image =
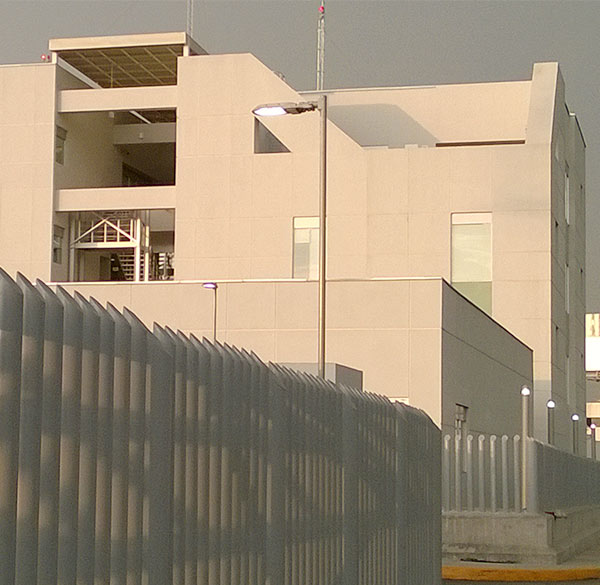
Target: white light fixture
pixel 574 417
pixel 283 108
pixel 551 404
pixel 213 286
pixel 525 391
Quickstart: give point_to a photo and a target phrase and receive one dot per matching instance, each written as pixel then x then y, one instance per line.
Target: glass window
pixel 59 145
pixel 306 248
pixel 57 244
pixel 472 257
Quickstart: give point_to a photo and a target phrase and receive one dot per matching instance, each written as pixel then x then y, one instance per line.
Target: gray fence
pixel 136 457
pixel 483 474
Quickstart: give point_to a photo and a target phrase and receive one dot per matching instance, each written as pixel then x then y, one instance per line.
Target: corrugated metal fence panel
pixel 133 457
pixel 563 480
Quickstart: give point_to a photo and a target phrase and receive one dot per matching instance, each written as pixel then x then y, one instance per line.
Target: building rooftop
pixel 127 60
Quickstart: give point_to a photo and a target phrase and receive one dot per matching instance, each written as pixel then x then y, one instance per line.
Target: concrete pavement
pixel 582 569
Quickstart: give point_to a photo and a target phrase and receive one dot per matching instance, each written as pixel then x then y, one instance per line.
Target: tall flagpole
pixel 321 46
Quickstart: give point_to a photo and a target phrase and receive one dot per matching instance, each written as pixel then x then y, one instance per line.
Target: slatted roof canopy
pixel 128 60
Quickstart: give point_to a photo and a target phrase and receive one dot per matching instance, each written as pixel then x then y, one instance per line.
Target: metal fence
pixel 131 457
pixel 483 474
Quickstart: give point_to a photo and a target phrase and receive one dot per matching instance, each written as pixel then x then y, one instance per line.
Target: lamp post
pixel 575 423
pixel 213 286
pixel 282 109
pixel 525 395
pixel 593 437
pixel 551 406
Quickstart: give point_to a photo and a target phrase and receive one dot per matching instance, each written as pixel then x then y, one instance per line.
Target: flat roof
pixel 127 60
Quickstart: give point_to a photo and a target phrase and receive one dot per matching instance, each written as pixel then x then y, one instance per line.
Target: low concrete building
pixel 418 340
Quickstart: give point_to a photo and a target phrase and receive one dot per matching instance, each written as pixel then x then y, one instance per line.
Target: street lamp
pixel 593 437
pixel 213 286
pixel 551 406
pixel 575 419
pixel 525 396
pixel 282 109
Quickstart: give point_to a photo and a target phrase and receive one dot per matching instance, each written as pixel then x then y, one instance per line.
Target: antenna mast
pixel 190 18
pixel 321 46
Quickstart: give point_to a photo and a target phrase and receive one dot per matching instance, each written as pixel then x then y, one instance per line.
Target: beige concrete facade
pixel 401 161
pixel 414 339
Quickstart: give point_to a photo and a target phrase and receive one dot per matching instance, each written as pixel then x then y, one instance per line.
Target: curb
pixel 456 573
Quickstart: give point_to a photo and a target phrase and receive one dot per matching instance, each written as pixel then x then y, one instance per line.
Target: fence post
pixel 504 447
pixel 516 472
pixel 470 473
pixel 446 471
pixel 458 472
pixel 481 474
pixel 350 479
pixel 493 497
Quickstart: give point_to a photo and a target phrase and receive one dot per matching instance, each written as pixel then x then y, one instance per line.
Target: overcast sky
pixel 369 43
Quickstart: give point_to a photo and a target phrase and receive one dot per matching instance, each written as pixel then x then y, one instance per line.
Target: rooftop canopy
pixel 127 60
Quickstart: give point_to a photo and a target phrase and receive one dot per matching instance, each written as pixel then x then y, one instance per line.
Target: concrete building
pixel 137 160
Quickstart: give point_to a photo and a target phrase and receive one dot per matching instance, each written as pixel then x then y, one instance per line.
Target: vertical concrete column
pixel 30 431
pixel 86 529
pixel 120 451
pixel 68 505
pixel 158 556
pixel 11 312
pixel 50 440
pixel 137 407
pixel 106 373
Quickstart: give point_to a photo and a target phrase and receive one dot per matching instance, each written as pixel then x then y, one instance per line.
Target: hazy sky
pixel 369 43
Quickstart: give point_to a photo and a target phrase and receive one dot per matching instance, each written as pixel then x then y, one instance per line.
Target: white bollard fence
pixel 129 456
pixel 490 479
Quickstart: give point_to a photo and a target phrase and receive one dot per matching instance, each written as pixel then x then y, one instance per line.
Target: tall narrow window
pixel 306 248
pixel 57 244
pixel 472 257
pixel 59 145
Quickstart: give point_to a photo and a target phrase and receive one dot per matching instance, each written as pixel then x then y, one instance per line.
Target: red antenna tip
pixel 321 9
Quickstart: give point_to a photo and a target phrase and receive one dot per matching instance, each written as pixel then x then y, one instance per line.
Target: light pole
pixel 525 395
pixel 551 406
pixel 593 437
pixel 213 286
pixel 575 423
pixel 282 109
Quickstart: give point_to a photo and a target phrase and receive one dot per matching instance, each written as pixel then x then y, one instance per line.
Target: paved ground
pixel 581 570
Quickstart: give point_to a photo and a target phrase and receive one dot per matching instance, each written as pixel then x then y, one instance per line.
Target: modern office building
pixel 134 167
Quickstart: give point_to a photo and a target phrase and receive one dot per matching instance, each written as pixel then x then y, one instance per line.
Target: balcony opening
pixel 135 246
pixel 116 149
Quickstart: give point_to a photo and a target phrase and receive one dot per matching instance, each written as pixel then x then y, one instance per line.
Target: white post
pixel 138 245
pixel 593 438
pixel 322 232
pixel 551 406
pixel 525 394
pixel 575 426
